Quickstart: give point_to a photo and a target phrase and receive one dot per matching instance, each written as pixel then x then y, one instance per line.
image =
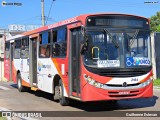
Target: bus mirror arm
pixel 84 35
pixel 83 49
pixel 84 43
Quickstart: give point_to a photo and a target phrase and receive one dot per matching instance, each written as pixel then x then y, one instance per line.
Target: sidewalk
pixel 7 85
pixel 156 87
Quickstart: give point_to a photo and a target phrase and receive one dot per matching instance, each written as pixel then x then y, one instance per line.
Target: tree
pixel 155 22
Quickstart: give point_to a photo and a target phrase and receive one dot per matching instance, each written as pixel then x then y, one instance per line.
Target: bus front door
pixel 74 63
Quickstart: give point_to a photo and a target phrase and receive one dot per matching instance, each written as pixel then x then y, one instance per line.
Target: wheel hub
pixel 60 92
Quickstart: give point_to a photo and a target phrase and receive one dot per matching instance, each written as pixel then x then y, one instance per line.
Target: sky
pixel 29 13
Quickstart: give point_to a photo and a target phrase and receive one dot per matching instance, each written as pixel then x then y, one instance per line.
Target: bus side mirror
pixel 84 43
pixel 83 49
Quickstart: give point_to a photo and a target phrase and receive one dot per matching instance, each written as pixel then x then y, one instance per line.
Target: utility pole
pixel 42 3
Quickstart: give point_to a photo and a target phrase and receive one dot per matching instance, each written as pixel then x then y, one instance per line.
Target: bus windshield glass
pixel 121 48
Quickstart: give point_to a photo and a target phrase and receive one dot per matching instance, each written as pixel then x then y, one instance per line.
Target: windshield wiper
pixel 133 38
pixel 113 40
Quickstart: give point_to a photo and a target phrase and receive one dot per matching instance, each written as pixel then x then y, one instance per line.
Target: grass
pixel 2 118
pixel 156 82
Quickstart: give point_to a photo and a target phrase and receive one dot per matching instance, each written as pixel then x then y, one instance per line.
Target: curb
pixel 4 79
pixel 156 87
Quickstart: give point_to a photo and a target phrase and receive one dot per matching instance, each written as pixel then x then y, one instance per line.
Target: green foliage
pixel 2 118
pixel 155 22
pixel 156 82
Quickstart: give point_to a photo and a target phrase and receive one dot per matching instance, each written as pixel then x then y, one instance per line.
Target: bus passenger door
pixel 33 61
pixel 11 62
pixel 74 63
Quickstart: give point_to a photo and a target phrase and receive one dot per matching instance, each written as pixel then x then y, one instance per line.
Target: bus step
pixel 76 98
pixel 34 84
pixel 34 88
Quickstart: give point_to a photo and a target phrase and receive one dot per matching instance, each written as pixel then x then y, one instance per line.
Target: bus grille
pixel 120 72
pixel 118 85
pixel 131 93
pixel 123 95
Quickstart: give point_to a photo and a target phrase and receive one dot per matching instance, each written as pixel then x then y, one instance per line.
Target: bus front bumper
pixel 91 93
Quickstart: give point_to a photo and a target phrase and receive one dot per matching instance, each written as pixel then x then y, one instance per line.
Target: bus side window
pixel 56 49
pixel 44 47
pixel 7 48
pixel 25 48
pixel 54 36
pixel 17 49
pixel 59 43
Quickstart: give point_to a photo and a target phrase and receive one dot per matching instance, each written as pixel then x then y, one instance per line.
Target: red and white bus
pixel 91 57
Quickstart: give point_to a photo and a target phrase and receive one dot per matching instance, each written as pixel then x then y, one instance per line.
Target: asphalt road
pixel 12 100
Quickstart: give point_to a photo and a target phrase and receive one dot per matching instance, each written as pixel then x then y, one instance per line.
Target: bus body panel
pixel 7 68
pixel 17 67
pixel 61 65
pixel 25 70
pixel 14 72
pixel 46 67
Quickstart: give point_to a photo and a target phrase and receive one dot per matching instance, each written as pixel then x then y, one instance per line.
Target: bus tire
pixel 62 99
pixel 21 88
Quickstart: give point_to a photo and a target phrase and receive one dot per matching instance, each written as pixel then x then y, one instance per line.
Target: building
pixel 4 34
pixel 2 37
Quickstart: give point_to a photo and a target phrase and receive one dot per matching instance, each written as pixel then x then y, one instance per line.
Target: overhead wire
pixel 49 12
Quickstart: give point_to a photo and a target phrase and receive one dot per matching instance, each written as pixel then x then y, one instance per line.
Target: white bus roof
pixel 14 37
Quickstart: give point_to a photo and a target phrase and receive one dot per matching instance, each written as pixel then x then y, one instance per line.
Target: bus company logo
pixel 124 84
pixel 4 3
pixel 141 61
pixel 40 65
pixel 136 61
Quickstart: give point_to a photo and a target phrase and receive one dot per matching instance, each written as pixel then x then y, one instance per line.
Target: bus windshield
pixel 121 48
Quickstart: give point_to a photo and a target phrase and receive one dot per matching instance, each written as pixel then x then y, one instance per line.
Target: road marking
pixel 4 88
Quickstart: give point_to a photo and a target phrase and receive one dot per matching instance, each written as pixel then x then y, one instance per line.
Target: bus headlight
pixel 93 82
pixel 144 84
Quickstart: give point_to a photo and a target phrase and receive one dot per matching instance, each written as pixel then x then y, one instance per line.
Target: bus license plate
pixel 124 93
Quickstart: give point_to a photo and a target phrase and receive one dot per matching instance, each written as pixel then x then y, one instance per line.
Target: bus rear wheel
pixel 21 88
pixel 62 99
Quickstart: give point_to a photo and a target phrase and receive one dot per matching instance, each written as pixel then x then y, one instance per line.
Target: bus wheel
pixel 19 83
pixel 62 99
